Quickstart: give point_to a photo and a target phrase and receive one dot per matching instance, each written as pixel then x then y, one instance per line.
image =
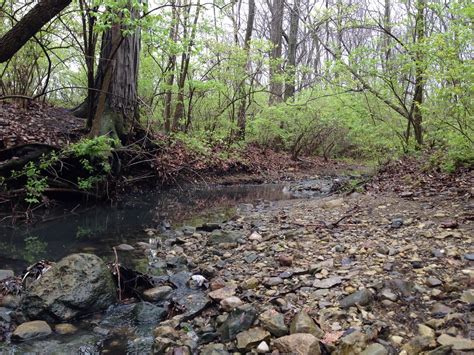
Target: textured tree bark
pixel 417 116
pixel 292 44
pixel 116 112
pixel 12 41
pixel 276 86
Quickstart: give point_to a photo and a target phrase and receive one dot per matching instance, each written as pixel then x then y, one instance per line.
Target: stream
pixel 98 229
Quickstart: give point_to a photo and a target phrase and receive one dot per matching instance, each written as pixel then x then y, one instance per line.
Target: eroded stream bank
pixel 377 274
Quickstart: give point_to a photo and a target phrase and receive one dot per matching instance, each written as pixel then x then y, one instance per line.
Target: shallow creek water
pixel 98 229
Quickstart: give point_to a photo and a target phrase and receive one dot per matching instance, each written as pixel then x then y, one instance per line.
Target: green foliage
pixel 35 249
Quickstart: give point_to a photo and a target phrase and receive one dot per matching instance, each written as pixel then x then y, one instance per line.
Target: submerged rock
pixel 79 284
pixel 31 330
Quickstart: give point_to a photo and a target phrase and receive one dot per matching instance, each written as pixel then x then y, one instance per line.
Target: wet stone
pixel 124 247
pixel 156 294
pixel 31 330
pixel 469 256
pixel 239 320
pixel 65 328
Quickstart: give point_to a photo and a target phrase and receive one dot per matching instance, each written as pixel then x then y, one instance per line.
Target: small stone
pixel 101 331
pixel 5 274
pixel 31 330
pixel 387 294
pixel 255 237
pixel 468 296
pixel 273 281
pixel 214 349
pixel 240 319
pixel 375 349
pixel 426 331
pixel 217 284
pixel 303 323
pixel 65 328
pixel 156 294
pixel 230 303
pixel 250 283
pixel 274 322
pixel 417 264
pixel 166 331
pixel 328 283
pixel 362 297
pixel 298 344
pixel 437 253
pixel 250 338
pixel 334 203
pixel 285 260
pixel 10 301
pixel 396 223
pixel 124 247
pixel 440 309
pixel 417 344
pixel 396 339
pixel 433 282
pixel 263 348
pixel 457 343
pixel 469 256
pixel 222 293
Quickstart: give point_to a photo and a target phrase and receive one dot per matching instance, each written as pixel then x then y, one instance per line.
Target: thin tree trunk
pixel 417 116
pixel 276 86
pixel 292 43
pixel 242 112
pixel 171 69
pixel 186 57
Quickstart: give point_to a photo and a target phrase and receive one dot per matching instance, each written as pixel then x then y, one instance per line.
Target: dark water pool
pixel 99 228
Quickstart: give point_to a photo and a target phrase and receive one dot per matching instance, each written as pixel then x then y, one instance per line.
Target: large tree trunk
pixel 276 86
pixel 116 112
pixel 292 44
pixel 12 41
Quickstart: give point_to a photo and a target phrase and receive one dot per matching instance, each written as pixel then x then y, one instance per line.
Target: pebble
pixel 285 260
pixel 263 348
pixel 229 303
pixel 375 349
pixel 65 328
pixel 273 281
pixel 222 293
pixel 433 282
pixel 250 338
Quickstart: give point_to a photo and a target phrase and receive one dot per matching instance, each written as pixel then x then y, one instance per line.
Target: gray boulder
pixel 79 284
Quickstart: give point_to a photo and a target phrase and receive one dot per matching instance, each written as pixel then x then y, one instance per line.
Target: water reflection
pixel 99 228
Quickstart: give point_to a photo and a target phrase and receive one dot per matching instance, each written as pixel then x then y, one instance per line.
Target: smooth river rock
pixel 31 330
pixel 79 284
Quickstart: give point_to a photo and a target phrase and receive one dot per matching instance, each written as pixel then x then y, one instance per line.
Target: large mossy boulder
pixel 79 284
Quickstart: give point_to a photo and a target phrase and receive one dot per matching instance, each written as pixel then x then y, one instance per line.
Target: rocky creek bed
pixel 384 273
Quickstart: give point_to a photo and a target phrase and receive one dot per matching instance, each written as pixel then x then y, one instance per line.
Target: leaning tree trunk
pixel 12 41
pixel 116 104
